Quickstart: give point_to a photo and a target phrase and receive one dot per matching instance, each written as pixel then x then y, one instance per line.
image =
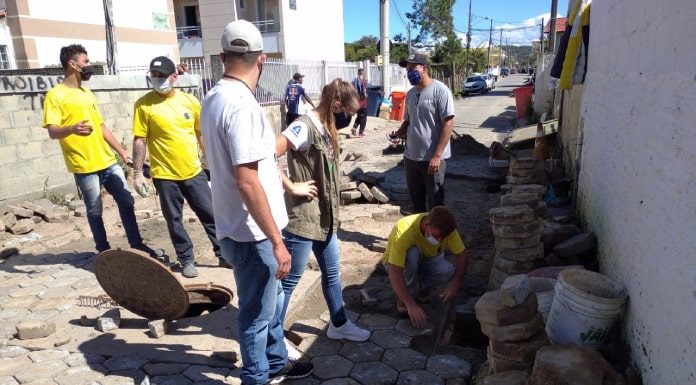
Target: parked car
pixel 490 81
pixel 513 71
pixel 474 84
pixel 504 72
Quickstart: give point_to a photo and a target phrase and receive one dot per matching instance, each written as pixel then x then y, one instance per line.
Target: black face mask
pixel 86 73
pixel 341 120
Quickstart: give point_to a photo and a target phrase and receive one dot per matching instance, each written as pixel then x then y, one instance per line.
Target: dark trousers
pixel 290 117
pixel 361 120
pixel 425 190
pixel 197 193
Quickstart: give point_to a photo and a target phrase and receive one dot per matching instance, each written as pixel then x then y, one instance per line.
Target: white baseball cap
pixel 245 31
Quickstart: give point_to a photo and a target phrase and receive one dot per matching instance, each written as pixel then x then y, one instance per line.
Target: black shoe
pixel 154 253
pixel 292 371
pixel 223 263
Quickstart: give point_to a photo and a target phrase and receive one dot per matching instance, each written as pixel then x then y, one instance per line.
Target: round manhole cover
pixel 141 284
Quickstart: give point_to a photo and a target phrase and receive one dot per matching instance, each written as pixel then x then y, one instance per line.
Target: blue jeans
pixel 328 255
pixel 260 294
pixel 197 193
pixel 114 181
pixel 426 272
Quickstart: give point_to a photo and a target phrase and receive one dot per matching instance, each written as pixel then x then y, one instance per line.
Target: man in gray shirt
pixel 427 126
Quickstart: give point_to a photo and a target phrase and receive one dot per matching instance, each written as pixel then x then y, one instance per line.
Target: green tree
pixel 399 49
pixel 434 19
pixel 362 49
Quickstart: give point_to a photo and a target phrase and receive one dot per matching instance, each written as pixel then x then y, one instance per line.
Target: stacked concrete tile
pixel 523 171
pixel 518 247
pixel 513 324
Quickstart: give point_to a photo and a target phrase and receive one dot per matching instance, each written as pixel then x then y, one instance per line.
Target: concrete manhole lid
pixel 141 284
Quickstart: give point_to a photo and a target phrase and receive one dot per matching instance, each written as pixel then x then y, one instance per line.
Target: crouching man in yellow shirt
pixel 167 121
pixel 72 116
pixel 415 259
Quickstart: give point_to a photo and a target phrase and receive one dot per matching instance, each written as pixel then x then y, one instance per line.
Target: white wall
pixel 314 31
pixel 129 54
pixel 638 174
pixel 6 39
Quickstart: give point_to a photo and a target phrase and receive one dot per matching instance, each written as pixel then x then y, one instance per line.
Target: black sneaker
pixel 293 370
pixel 154 253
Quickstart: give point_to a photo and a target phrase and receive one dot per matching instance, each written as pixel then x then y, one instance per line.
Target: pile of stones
pixel 510 318
pixel 524 171
pixel 363 187
pixel 518 246
pixel 20 219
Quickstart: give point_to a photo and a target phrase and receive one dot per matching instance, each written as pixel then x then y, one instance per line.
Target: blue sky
pixel 361 17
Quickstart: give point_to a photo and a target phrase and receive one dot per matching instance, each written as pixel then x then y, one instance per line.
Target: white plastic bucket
pixel 584 308
pixel 544 289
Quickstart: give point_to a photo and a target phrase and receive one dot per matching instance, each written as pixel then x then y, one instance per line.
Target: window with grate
pixel 4 58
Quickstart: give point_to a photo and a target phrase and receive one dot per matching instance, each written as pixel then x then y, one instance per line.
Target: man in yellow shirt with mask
pixel 167 121
pixel 71 115
pixel 415 259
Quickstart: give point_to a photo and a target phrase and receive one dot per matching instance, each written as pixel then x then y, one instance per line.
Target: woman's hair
pixel 343 92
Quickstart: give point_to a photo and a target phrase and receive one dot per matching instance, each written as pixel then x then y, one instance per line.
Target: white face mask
pixel 161 85
pixel 432 240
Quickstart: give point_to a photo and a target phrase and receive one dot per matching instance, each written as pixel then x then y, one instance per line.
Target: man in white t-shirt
pixel 248 203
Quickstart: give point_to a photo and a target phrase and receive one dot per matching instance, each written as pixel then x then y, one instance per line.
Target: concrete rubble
pixel 572 365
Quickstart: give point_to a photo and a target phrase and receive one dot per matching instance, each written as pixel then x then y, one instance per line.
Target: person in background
pixel 360 84
pixel 294 92
pixel 427 127
pixel 312 199
pixel 166 120
pixel 249 205
pixel 71 115
pixel 416 263
pixel 182 69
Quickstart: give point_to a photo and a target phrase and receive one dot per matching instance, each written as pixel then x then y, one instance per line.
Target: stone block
pixel 144 214
pixel 502 243
pixel 511 215
pixel 523 172
pixel 348 186
pixel 28 330
pixel 515 267
pixel 500 364
pixel 514 332
pixel 110 320
pixel 75 204
pixel 9 220
pixel 553 235
pixel 57 215
pixel 517 199
pixel 572 365
pixel 42 206
pixel 158 328
pixel 8 251
pixel 523 230
pixel 577 245
pixel 521 351
pixel 491 311
pixel 379 195
pixel 22 226
pixel 523 163
pixel 366 193
pixel 534 188
pixel 510 179
pixel 36 219
pixel 20 212
pixel 510 377
pixel 515 290
pixel 522 254
pixel 350 195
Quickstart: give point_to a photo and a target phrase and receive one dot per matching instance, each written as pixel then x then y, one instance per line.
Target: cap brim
pixel 403 63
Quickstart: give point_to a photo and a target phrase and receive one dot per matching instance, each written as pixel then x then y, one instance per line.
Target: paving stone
pixel 514 332
pixel 515 290
pixel 60 304
pixel 340 381
pixel 13 351
pixel 123 377
pixel 12 314
pixel 14 281
pixel 553 235
pixel 42 315
pixel 350 195
pixel 48 355
pixel 404 359
pixel 58 292
pixel 175 379
pixel 8 366
pixel 379 195
pixel 63 281
pixel 419 377
pixel 406 327
pixel 35 371
pixel 120 363
pixel 81 359
pixel 9 380
pixel 377 321
pixel 348 186
pixel 361 351
pixel 9 220
pixel 490 310
pixel 572 365
pixel 448 366
pixel 19 302
pixel 164 369
pixel 517 199
pixel 522 351
pixel 511 377
pixel 365 192
pixel 20 212
pixel 534 188
pixel 319 346
pixel 390 339
pixel 511 215
pixel 523 254
pixel 27 330
pixel 512 268
pixel 81 375
pixel 576 246
pixel 42 381
pixel 374 373
pixel 332 366
pixel 522 230
pixel 500 364
pixel 511 179
pixel 198 373
pixel 158 328
pixel 23 226
pixel 523 163
pixel 517 243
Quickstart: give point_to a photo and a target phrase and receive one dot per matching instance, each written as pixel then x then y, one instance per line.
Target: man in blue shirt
pixel 293 93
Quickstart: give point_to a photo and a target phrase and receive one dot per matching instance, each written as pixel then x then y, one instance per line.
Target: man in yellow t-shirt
pixel 72 116
pixel 167 121
pixel 415 259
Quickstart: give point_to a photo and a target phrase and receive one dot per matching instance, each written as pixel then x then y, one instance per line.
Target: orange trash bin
pixel 398 99
pixel 522 97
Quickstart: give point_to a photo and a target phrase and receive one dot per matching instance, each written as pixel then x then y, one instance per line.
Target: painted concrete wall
pixel 6 39
pixel 314 31
pixel 638 174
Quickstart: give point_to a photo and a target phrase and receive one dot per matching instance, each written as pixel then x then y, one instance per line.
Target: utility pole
pixel 111 51
pixel 490 42
pixel 408 37
pixel 468 43
pixel 541 38
pixel 552 26
pixel 500 49
pixel 384 45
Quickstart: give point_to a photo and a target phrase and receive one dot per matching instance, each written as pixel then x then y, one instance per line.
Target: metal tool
pixel 441 329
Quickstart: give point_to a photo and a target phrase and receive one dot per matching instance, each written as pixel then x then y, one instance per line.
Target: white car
pixel 490 81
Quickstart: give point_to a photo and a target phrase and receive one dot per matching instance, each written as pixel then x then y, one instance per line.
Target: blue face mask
pixel 414 77
pixel 342 120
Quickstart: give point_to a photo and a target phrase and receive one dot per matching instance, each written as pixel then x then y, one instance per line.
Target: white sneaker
pixel 293 353
pixel 349 331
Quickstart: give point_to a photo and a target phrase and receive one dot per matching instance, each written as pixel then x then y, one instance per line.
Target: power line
pixel 501 21
pixel 396 8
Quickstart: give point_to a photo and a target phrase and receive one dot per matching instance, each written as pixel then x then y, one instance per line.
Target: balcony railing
pixel 267 26
pixel 188 32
